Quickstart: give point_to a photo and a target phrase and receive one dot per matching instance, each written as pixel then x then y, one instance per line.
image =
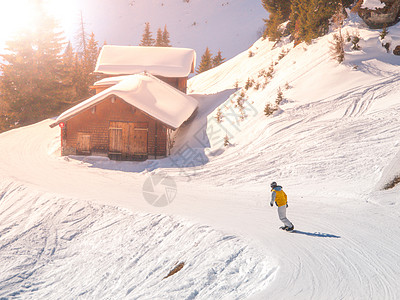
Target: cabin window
pixel 112 99
pixel 93 110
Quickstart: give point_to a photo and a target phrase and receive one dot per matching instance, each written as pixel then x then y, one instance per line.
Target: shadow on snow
pixel 317 234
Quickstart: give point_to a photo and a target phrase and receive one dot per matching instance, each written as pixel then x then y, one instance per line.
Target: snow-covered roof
pixel 147 93
pixel 161 61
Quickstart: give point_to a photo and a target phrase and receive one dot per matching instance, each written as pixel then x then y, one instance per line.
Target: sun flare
pixel 18 15
pixel 15 16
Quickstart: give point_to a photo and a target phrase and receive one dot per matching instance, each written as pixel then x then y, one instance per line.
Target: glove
pixel 271 204
pixel 287 205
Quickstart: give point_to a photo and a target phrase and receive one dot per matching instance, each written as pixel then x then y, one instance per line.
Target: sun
pixel 17 15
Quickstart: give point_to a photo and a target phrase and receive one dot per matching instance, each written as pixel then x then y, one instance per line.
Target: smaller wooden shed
pixel 130 120
pixel 171 65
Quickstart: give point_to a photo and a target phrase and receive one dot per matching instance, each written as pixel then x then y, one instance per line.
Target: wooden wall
pixel 179 83
pixel 91 128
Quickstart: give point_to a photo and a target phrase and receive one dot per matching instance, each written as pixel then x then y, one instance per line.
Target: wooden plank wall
pixel 179 83
pixel 96 122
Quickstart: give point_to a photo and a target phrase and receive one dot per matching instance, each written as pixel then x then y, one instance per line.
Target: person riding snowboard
pixel 279 197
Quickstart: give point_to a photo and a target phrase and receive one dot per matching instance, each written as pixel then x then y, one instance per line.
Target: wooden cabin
pixel 139 102
pixel 169 64
pixel 131 120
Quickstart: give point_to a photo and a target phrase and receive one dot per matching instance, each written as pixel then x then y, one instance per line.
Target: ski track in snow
pixel 84 250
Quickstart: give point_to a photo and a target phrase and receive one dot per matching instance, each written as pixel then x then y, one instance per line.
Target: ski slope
pixel 80 226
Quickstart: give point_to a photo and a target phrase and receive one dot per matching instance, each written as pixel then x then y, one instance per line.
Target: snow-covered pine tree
pixel 147 38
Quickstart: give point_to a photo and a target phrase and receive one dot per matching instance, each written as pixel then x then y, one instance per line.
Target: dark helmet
pixel 274 184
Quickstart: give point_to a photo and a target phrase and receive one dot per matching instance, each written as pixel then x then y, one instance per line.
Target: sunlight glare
pixel 16 15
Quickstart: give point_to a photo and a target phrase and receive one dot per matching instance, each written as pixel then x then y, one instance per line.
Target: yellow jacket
pixel 279 196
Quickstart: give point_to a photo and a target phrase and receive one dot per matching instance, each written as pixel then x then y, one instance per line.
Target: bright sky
pixel 18 14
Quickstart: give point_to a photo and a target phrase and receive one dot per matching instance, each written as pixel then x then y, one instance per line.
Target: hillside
pixel 191 24
pixel 80 226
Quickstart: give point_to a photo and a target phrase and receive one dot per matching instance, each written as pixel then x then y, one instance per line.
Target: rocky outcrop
pixel 381 17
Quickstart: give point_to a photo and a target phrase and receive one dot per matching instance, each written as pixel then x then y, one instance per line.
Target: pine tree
pixel 219 117
pixel 337 45
pixel 147 38
pixel 159 39
pixel 82 37
pixel 269 109
pixel 272 26
pixel 90 59
pixel 32 73
pixel 68 69
pixel 279 97
pixel 206 62
pixel 218 59
pixel 227 143
pixel 165 37
pixel 383 33
pixel 310 19
pixel 279 12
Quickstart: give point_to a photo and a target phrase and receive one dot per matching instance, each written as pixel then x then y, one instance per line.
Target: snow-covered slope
pixel 230 26
pixel 331 144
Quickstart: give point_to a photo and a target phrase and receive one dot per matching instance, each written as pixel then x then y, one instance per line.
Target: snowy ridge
pixel 53 244
pixel 194 24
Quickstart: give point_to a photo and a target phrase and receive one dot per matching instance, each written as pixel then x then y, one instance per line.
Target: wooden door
pixel 139 141
pixel 128 138
pixel 83 143
pixel 115 138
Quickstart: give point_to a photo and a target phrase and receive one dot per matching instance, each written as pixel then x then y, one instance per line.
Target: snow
pixel 146 93
pixel 373 4
pixel 161 61
pixel 331 145
pixel 96 251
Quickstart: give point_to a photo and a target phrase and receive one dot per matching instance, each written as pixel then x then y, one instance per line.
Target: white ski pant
pixel 282 216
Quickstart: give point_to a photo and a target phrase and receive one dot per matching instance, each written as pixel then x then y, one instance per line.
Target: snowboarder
pixel 279 197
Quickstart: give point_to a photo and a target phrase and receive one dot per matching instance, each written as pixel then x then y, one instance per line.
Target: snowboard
pixel 284 229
